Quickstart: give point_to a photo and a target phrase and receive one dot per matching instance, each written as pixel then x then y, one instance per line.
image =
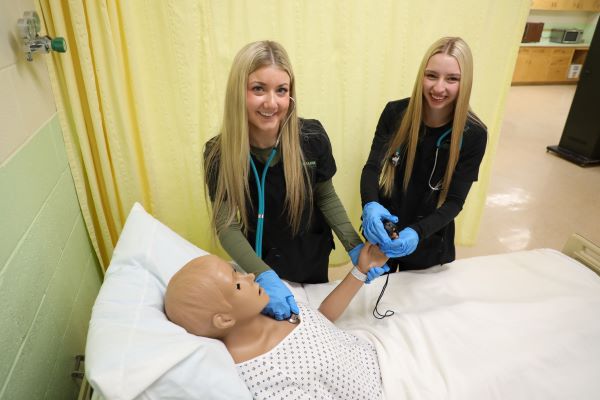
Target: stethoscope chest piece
pixel 395 158
pixel 294 319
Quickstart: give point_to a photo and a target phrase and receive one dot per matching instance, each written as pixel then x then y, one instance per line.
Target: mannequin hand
pixel 376 272
pixel 406 243
pixel 372 220
pixel 281 300
pixel 354 253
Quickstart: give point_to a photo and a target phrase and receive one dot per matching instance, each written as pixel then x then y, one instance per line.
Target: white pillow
pixel 133 350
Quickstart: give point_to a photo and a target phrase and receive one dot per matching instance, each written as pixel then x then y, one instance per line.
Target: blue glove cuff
pixel 355 253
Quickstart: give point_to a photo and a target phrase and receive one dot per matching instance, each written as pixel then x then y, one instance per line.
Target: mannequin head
pixel 207 297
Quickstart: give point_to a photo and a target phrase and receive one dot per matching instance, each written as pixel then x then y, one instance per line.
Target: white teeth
pixel 438 97
pixel 266 114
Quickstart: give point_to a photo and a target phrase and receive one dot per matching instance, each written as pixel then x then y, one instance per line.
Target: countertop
pixel 546 43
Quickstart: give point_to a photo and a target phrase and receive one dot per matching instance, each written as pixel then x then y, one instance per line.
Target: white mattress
pixel 514 326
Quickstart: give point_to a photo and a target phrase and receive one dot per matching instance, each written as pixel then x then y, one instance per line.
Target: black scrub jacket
pixel 302 258
pixel 417 208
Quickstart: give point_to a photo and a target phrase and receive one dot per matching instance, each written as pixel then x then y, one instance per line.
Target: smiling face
pixel 267 103
pixel 440 84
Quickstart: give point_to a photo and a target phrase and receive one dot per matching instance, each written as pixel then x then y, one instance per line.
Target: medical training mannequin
pixel 209 298
pixel 424 158
pixel 264 147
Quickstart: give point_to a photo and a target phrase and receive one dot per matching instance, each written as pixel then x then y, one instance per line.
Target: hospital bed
pixel 522 325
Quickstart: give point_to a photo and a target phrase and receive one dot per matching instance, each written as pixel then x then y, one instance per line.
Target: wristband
pixel 358 275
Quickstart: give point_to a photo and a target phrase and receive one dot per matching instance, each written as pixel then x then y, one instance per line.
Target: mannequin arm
pixel 337 301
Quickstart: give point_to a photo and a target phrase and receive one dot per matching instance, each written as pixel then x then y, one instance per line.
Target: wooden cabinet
pixel 566 5
pixel 591 5
pixel 558 66
pixel 546 64
pixel 551 4
pixel 532 65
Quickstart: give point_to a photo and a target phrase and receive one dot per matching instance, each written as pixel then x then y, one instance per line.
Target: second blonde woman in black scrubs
pixel 424 158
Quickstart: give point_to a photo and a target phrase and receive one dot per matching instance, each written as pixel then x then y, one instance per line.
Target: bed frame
pixel 584 251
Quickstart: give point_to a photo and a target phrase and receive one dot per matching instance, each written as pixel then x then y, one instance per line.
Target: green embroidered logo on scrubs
pixel 310 164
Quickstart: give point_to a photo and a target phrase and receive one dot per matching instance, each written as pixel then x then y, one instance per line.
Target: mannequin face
pixel 246 297
pixel 267 103
pixel 440 83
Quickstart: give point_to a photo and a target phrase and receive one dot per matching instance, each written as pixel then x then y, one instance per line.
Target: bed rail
pixel 583 250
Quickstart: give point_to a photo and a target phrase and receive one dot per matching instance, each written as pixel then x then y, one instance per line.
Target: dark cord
pixel 388 313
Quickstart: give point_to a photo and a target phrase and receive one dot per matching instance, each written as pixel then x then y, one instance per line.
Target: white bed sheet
pixel 523 325
pixel 515 326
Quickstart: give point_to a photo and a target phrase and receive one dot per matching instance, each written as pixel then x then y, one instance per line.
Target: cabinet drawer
pixel 538 51
pixel 562 52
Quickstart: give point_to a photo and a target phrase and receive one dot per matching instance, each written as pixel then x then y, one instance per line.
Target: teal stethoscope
pixel 260 185
pixel 438 145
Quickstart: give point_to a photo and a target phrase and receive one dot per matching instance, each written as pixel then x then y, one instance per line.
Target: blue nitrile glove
pixel 281 300
pixel 372 221
pixel 404 245
pixel 376 272
pixel 355 252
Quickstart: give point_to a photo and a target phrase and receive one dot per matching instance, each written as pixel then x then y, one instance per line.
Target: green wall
pixel 49 275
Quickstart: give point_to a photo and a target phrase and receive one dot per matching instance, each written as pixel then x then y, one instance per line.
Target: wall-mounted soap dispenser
pixel 29 28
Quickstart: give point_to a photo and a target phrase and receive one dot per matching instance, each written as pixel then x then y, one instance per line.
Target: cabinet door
pixel 591 5
pixel 560 60
pixel 561 56
pixel 557 74
pixel 576 5
pixel 572 5
pixel 543 4
pixel 522 66
pixel 532 65
pixel 538 66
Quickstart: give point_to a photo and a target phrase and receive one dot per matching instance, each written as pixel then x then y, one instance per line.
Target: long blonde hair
pixel 407 135
pixel 227 160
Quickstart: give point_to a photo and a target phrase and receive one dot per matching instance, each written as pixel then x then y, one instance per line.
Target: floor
pixel 535 199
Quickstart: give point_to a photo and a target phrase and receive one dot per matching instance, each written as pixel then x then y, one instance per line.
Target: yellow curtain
pixel 141 89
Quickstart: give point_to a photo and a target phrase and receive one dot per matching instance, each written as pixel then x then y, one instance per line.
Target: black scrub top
pixel 303 257
pixel 417 207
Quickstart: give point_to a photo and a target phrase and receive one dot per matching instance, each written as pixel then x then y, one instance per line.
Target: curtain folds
pixel 141 89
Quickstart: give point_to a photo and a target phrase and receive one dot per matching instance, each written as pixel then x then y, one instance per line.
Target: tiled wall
pixel 49 276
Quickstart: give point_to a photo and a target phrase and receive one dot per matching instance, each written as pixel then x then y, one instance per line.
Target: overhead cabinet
pixel 566 5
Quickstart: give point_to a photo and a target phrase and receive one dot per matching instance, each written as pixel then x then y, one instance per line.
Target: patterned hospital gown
pixel 316 360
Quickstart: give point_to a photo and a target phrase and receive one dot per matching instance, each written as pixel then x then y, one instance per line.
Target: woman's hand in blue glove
pixel 404 245
pixel 354 253
pixel 372 221
pixel 281 300
pixel 376 272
